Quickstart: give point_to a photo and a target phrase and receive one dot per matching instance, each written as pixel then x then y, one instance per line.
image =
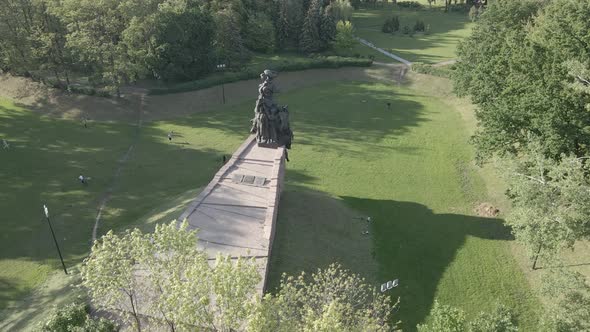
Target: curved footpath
pixel 236 213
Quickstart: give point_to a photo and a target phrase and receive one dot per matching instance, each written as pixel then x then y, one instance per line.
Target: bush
pixel 440 71
pixel 419 26
pixel 74 317
pixel 250 73
pixel 406 30
pixel 409 4
pixel 391 25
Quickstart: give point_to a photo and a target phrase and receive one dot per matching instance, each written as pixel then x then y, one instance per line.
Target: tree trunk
pixel 135 315
pixel 537 257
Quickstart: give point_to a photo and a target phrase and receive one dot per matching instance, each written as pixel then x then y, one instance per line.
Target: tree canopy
pixel 113 42
pixel 514 67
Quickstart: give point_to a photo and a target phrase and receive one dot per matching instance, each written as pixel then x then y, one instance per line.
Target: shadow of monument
pixel 416 245
pixel 407 240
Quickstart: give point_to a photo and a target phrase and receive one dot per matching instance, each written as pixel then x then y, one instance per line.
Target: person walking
pixel 82 179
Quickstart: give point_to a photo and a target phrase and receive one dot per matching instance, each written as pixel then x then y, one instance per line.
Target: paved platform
pixel 236 213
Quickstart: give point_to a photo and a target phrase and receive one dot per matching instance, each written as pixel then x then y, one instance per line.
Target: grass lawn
pixel 46 156
pixel 446 30
pixel 409 169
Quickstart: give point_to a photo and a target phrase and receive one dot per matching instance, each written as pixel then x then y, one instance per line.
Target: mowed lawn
pixel 446 30
pixel 410 169
pixel 46 156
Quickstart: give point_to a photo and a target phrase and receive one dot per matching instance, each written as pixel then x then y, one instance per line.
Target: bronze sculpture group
pixel 271 122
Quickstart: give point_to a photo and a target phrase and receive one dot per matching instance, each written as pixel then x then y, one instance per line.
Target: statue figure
pixel 270 123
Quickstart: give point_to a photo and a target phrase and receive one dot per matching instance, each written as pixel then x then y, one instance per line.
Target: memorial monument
pixel 271 122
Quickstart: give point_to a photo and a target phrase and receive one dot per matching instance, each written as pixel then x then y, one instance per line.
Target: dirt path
pixel 141 94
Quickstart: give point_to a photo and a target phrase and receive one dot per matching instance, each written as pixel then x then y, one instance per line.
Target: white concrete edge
pixel 380 50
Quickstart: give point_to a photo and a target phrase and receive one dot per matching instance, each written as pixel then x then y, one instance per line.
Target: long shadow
pixel 416 245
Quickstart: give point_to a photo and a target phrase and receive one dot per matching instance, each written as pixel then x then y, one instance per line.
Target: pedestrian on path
pixel 170 135
pixel 85 122
pixel 82 179
pixel 5 144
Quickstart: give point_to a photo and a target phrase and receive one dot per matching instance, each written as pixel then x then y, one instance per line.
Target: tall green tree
pixel 95 36
pixel 327 27
pixel 228 42
pixel 260 33
pixel 550 201
pixel 517 81
pixel 310 40
pixel 344 37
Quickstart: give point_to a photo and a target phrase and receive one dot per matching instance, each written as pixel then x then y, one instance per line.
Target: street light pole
pixel 222 67
pixel 54 239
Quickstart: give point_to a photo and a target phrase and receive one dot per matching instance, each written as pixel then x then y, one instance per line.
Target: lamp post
pixel 54 239
pixel 221 67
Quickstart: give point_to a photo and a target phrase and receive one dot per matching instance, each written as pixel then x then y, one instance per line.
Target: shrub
pixel 74 317
pixel 395 23
pixel 387 26
pixel 419 26
pixel 250 73
pixel 406 30
pixel 409 4
pixel 440 71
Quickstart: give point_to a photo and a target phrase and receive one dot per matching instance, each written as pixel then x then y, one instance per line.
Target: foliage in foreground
pixel 444 318
pixel 332 299
pixel 550 201
pixel 74 318
pixel 516 68
pixel 570 309
pixel 165 279
pixel 164 276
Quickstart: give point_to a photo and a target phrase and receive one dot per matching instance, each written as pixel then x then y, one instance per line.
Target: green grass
pixel 409 169
pixel 446 30
pixel 43 163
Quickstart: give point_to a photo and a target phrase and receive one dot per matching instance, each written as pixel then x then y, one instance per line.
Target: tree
pixel 228 43
pixel 550 201
pixel 310 36
pixel 327 28
pixel 444 318
pixel 183 43
pixel 344 36
pixel 332 299
pixel 514 72
pixel 95 36
pixel 260 33
pixel 108 274
pixel 342 10
pixel 173 278
pixel 570 309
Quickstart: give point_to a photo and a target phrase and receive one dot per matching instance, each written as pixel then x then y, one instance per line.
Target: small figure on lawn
pixel 224 159
pixel 82 179
pixel 170 136
pixel 388 105
pixel 5 144
pixel 85 122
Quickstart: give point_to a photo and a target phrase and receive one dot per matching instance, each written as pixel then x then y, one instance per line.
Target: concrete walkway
pixel 380 50
pixel 236 213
